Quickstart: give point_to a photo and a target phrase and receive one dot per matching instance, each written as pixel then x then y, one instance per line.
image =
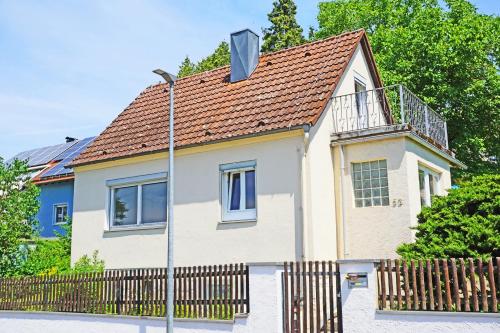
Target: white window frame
pixel 436 178
pixel 137 181
pixel 54 213
pixel 242 215
pixel 361 98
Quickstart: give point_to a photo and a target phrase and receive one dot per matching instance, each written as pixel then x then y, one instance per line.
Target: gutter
pixel 206 143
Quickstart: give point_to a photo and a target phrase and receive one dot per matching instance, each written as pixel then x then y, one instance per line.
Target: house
pixel 291 155
pixel 49 172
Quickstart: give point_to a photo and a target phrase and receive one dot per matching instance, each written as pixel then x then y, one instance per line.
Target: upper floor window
pixel 138 200
pixel 60 213
pixel 238 191
pixel 361 103
pixel 428 184
pixel 371 187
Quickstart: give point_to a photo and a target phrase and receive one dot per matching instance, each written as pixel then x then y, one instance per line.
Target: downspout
pixel 342 198
pixel 305 192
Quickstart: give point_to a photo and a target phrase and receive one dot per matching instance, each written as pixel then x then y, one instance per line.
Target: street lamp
pixel 170 228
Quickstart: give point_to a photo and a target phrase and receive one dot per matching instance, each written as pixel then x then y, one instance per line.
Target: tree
pixel 465 223
pixel 448 55
pixel 219 58
pixel 186 68
pixel 284 31
pixel 18 206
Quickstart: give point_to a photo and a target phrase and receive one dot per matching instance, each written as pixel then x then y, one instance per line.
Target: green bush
pixel 51 257
pixel 465 223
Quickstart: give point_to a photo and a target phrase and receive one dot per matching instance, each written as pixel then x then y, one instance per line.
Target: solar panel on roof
pixel 41 156
pixel 66 157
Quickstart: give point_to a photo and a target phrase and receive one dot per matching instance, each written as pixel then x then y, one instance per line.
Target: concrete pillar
pixel 358 303
pixel 266 297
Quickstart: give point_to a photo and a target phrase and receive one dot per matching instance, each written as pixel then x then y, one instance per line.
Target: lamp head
pixel 170 78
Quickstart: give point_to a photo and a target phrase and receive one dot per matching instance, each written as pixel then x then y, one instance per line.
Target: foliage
pixel 18 206
pixel 284 31
pixel 88 264
pixel 465 223
pixel 53 256
pixel 219 58
pixel 45 257
pixel 186 68
pixel 446 52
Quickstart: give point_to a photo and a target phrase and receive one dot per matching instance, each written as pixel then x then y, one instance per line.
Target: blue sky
pixel 67 68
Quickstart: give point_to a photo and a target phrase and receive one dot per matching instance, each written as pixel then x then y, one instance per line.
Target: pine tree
pixel 284 31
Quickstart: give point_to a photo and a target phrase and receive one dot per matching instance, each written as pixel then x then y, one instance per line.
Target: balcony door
pixel 361 104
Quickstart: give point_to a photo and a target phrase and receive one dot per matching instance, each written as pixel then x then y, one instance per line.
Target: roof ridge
pixel 312 43
pixel 272 53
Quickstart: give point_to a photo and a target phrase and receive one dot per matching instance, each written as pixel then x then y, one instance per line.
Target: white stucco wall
pixel 376 232
pixel 265 315
pixel 360 315
pixel 417 155
pixel 321 221
pixel 200 237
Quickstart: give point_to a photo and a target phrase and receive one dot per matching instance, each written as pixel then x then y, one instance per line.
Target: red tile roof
pixel 288 89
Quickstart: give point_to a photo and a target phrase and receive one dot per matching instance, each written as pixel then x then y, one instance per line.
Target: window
pixel 238 191
pixel 370 184
pixel 138 200
pixel 361 103
pixel 428 185
pixel 60 213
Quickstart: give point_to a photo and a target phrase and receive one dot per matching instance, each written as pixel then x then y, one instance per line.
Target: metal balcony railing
pixel 388 107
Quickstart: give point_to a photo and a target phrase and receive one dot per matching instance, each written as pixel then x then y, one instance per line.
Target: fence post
pixel 401 105
pixel 45 289
pixel 118 292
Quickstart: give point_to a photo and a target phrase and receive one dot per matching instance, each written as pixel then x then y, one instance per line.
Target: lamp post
pixel 170 228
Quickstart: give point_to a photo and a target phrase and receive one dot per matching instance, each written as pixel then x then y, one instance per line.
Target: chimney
pixel 244 54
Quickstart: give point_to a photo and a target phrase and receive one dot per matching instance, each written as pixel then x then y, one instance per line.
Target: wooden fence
pixel 467 285
pixel 311 297
pixel 213 292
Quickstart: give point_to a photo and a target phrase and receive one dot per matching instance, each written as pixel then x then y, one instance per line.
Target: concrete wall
pixel 50 195
pixel 265 315
pixel 360 315
pixel 200 235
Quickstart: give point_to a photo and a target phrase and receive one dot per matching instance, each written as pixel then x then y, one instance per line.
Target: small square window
pixel 373 188
pixel 238 192
pixel 60 213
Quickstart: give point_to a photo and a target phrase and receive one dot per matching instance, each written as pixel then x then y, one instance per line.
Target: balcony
pixel 387 109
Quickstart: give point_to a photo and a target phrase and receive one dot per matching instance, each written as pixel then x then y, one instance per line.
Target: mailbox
pixel 357 280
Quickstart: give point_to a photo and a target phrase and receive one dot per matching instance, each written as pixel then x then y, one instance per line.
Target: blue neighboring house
pixel 49 172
